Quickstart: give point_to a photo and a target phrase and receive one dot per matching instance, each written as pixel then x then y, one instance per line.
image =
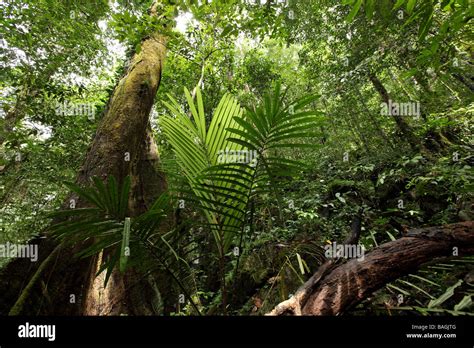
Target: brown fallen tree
pixel 335 288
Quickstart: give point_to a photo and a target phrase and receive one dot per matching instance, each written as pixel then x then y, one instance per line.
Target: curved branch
pixel 348 284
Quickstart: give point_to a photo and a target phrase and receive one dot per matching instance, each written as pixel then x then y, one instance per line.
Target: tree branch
pixel 332 292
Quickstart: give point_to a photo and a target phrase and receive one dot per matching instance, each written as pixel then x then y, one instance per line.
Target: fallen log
pixel 334 289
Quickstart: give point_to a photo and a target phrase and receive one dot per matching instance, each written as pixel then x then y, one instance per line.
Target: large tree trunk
pixel 122 146
pixel 332 290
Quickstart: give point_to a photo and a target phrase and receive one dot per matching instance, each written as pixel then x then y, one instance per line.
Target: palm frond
pixel 223 189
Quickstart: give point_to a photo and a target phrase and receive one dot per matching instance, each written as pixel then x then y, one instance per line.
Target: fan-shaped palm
pixel 222 183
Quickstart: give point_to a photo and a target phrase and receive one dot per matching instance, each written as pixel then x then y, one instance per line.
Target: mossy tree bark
pixel 123 145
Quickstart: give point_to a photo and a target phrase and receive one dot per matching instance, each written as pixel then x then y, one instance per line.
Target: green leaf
pixel 354 11
pixel 123 200
pixel 125 245
pixel 400 290
pixel 103 193
pixel 416 287
pixel 465 303
pixel 340 198
pixel 392 238
pixel 300 263
pixel 369 9
pixel 113 194
pixel 398 4
pixel 424 280
pixel 425 25
pixel 85 194
pixel 449 292
pixel 227 30
pixel 410 6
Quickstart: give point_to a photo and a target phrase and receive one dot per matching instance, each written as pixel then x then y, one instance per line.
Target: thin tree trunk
pixel 350 124
pixel 402 125
pixel 396 79
pixel 373 119
pixel 354 124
